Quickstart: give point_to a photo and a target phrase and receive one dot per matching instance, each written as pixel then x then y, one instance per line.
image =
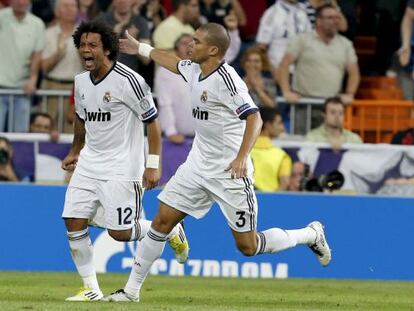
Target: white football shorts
pixel 194 195
pixel 110 204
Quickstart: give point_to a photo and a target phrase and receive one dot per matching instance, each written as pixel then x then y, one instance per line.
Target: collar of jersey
pixel 201 79
pixel 103 78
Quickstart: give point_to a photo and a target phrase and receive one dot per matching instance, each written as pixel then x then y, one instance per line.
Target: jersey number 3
pixel 242 219
pixel 124 216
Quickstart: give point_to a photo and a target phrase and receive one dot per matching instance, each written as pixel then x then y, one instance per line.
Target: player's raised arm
pixel 131 46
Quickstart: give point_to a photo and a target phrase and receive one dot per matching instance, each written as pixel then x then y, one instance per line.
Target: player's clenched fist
pixel 151 178
pixel 69 163
pixel 237 168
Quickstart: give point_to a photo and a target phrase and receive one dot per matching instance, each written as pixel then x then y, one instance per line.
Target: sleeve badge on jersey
pixel 144 104
pixel 107 97
pixel 242 109
pixel 238 100
pixel 204 97
pixel 148 113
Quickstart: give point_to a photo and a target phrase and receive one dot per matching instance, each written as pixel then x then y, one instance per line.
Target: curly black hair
pixel 108 37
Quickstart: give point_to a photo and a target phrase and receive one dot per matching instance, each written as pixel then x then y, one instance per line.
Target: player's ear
pixel 107 52
pixel 214 50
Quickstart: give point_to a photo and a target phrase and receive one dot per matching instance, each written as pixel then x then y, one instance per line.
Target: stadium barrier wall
pixel 366 167
pixel 370 237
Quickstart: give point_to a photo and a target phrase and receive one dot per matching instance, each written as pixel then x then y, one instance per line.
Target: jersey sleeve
pixel 138 97
pixel 78 103
pixel 235 95
pixel 186 68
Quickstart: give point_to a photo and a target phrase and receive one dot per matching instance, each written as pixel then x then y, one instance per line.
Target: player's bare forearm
pixel 165 59
pixel 151 175
pixel 253 127
pixel 78 136
pixel 154 137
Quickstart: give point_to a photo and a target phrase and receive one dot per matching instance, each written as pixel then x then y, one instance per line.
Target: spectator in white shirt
pixel 281 22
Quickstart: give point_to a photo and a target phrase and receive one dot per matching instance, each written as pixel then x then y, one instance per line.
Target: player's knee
pixel 121 236
pixel 247 249
pixel 162 224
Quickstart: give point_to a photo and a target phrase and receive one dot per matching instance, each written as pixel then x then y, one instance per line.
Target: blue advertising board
pixel 370 237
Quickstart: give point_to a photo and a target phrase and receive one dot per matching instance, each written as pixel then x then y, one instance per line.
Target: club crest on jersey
pixel 204 97
pixel 144 104
pixel 107 97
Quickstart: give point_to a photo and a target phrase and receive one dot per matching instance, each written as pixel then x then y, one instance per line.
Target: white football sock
pixel 149 250
pixel 82 254
pixel 275 240
pixel 141 228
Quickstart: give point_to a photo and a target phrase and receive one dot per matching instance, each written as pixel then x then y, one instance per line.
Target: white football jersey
pixel 220 103
pixel 113 109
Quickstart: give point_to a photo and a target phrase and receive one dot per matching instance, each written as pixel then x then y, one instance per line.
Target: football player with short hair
pixel 218 168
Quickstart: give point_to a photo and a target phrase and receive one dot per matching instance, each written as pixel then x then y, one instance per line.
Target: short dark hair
pixel 319 10
pixel 176 4
pixel 217 35
pixel 34 115
pixel 7 141
pixel 268 114
pixel 108 37
pixel 332 100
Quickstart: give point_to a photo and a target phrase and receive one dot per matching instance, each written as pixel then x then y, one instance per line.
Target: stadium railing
pixel 45 95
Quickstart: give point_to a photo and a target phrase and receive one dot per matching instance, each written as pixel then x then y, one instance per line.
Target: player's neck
pixel 209 66
pixel 103 70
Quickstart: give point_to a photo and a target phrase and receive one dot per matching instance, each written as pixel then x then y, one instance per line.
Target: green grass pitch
pixel 47 291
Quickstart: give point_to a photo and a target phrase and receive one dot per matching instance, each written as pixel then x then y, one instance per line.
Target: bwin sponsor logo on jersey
pixel 97 116
pixel 200 114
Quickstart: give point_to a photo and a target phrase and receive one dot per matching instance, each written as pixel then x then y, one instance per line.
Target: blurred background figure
pixel 261 88
pixel 22 40
pixel 7 171
pixel 296 181
pixel 122 18
pixel 321 59
pixel 281 22
pixel 272 165
pixel 41 122
pixel 332 130
pixel 231 24
pixel 151 10
pixel 88 10
pixel 215 11
pixel 60 59
pixel 173 97
pixel 185 12
pixel 310 7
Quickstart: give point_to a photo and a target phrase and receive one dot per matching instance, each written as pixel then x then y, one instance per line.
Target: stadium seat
pixel 377 120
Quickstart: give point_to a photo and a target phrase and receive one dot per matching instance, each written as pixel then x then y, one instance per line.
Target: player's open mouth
pixel 88 61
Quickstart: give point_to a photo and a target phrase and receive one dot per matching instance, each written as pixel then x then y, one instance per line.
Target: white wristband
pixel 153 161
pixel 145 49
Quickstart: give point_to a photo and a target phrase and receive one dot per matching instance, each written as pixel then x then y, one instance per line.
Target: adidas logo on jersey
pixel 97 116
pixel 200 114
